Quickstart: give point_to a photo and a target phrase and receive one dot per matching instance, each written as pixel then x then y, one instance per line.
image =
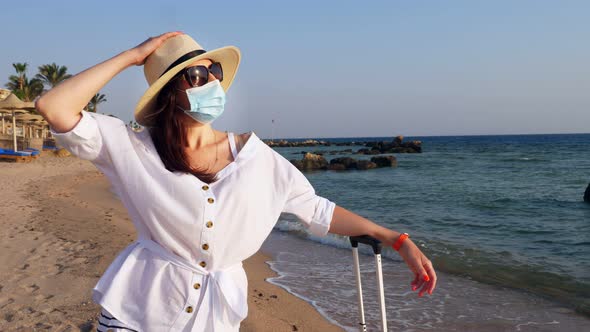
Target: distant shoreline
pixel 369 138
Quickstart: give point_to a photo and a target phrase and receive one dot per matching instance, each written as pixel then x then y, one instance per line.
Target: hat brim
pixel 228 56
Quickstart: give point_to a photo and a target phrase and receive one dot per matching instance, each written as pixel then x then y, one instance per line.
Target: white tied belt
pixel 221 282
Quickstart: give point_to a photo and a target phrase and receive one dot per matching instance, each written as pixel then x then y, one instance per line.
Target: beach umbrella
pixel 13 115
pixel 32 119
pixel 40 126
pixel 15 146
pixel 4 93
pixel 34 123
pixel 2 113
pixel 28 119
pixel 25 116
pixel 13 103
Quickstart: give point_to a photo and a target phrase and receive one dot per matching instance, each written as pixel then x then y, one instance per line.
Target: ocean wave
pixel 496 268
pixel 523 204
pixel 533 231
pixel 503 269
pixel 468 225
pixel 562 242
pixel 524 159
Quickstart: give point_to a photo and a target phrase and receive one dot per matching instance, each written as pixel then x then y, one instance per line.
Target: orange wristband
pixel 400 240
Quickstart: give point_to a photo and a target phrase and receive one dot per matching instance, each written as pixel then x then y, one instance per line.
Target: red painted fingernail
pixel 426 277
pixel 414 288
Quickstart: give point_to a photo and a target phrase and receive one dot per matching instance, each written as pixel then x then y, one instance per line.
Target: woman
pixel 201 200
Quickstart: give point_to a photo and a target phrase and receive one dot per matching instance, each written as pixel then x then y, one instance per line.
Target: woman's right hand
pixel 143 50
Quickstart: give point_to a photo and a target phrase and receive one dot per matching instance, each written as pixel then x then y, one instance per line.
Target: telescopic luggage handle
pixel 376 245
pixel 365 239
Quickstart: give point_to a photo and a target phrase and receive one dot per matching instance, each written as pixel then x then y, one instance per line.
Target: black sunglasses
pixel 199 75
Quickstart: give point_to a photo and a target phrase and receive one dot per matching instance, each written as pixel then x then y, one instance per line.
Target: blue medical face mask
pixel 207 102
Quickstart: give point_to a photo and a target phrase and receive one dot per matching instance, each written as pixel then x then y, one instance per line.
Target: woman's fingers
pixel 146 48
pixel 167 35
pixel 425 278
pixel 417 282
pixel 428 286
pixel 157 41
pixel 433 277
pixel 422 272
pixel 424 289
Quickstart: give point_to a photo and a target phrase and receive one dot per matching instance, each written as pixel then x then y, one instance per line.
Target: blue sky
pixel 341 68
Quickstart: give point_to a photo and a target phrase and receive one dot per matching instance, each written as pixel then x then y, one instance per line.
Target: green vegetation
pixel 49 75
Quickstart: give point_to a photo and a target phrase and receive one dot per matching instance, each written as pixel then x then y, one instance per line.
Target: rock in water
pixel 346 162
pixel 311 162
pixel 587 194
pixel 365 164
pixel 385 161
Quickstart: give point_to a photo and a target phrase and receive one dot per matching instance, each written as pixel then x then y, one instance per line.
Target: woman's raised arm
pixel 62 105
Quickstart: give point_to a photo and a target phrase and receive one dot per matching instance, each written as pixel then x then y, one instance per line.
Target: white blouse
pixel 184 272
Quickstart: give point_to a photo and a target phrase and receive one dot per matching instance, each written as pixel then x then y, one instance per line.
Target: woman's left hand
pixel 348 223
pixel 425 276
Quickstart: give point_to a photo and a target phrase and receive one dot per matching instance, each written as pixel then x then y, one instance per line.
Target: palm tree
pixel 51 75
pixel 93 103
pixel 21 69
pixel 31 89
pixel 21 86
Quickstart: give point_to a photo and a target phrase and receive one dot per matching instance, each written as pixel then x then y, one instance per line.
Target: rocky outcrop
pixel 365 164
pixel 322 152
pixel 343 163
pixel 369 151
pixel 311 162
pixel 385 161
pixel 587 194
pixel 284 143
pixel 317 162
pixel 395 146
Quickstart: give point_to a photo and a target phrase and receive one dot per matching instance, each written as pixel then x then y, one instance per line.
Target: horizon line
pixel 460 135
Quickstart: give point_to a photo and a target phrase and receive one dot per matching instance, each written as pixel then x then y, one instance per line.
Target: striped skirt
pixel 107 322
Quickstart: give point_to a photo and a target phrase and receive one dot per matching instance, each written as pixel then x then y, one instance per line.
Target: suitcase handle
pixel 366 239
pixel 377 246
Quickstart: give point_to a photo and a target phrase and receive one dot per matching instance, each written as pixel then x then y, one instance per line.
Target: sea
pixel 501 217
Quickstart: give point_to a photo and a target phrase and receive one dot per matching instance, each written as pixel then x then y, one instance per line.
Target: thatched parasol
pixel 2 114
pixel 30 120
pixel 4 93
pixel 13 103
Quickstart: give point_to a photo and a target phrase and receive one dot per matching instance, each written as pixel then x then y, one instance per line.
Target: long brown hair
pixel 169 135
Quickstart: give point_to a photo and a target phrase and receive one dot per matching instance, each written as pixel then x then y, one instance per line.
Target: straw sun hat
pixel 171 57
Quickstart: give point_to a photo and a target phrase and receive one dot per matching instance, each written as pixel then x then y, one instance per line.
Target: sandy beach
pixel 60 228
